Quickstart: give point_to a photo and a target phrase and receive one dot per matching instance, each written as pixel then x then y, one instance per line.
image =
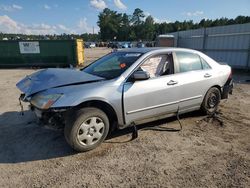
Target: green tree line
pixel 124 27
pixel 64 36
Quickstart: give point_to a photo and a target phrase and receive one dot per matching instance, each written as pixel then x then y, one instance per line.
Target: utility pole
pixel 93 30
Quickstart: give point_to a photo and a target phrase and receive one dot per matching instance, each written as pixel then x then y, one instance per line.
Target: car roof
pixel 155 49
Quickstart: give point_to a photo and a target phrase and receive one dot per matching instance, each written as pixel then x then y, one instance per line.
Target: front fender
pixel 75 95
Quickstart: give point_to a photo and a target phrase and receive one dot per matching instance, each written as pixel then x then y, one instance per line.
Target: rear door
pixel 195 77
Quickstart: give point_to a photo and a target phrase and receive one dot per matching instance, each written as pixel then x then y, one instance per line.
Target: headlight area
pixel 52 117
pixel 44 102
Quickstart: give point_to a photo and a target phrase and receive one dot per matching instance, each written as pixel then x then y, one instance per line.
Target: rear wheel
pixel 211 101
pixel 87 129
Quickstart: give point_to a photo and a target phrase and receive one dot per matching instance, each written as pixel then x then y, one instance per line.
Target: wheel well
pixel 218 87
pixel 105 107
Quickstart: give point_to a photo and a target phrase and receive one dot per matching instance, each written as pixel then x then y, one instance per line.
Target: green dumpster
pixel 41 53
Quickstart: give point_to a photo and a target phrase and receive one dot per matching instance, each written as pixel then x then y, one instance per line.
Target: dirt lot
pixel 92 54
pixel 201 155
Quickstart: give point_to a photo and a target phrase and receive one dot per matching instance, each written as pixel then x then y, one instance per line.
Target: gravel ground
pixel 92 54
pixel 203 154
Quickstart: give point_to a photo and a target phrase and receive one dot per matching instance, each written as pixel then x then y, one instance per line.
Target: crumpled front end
pixel 39 89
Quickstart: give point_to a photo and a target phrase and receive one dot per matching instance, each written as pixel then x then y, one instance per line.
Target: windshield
pixel 112 65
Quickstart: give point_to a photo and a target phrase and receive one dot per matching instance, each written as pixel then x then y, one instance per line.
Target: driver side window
pixel 158 65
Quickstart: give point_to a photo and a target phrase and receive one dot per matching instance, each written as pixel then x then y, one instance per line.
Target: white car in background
pixel 92 45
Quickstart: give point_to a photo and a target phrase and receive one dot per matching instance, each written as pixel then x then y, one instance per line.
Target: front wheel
pixel 211 101
pixel 86 129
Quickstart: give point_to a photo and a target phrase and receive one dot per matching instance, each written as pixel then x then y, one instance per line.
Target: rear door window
pixel 205 65
pixel 188 61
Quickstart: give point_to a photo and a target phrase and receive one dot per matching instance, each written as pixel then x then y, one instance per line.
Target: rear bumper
pixel 227 89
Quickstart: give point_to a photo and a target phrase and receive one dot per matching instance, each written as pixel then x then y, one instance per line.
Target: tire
pixel 86 129
pixel 211 101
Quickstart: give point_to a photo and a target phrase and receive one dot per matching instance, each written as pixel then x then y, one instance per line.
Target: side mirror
pixel 140 75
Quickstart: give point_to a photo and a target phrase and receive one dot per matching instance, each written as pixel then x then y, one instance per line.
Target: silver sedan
pixel 124 88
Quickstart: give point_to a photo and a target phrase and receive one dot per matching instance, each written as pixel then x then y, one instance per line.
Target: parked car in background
pixel 130 45
pixel 92 45
pixel 110 44
pixel 124 88
pixel 86 44
pixel 117 45
pixel 140 45
pixel 150 44
pixel 89 45
pixel 125 45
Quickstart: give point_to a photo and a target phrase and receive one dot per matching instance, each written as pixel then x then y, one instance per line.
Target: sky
pixel 80 16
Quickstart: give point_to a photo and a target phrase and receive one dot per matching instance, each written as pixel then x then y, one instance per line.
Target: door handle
pixel 172 82
pixel 207 75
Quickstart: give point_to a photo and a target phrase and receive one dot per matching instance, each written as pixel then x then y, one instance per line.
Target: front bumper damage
pixel 53 117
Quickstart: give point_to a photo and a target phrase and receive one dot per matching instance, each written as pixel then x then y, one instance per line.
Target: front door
pixel 153 97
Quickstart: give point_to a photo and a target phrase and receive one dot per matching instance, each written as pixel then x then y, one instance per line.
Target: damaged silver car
pixel 124 88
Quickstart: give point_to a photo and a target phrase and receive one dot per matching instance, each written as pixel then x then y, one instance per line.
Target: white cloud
pixel 156 20
pixel 42 27
pixel 17 7
pixel 195 13
pixel 8 25
pixel 120 5
pixel 83 26
pixel 47 7
pixel 98 4
pixel 10 8
pixel 62 27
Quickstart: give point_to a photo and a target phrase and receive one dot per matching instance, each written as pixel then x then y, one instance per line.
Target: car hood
pixel 54 77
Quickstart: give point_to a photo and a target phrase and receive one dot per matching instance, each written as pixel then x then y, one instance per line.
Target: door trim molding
pixel 190 98
pixel 152 107
pixel 162 105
